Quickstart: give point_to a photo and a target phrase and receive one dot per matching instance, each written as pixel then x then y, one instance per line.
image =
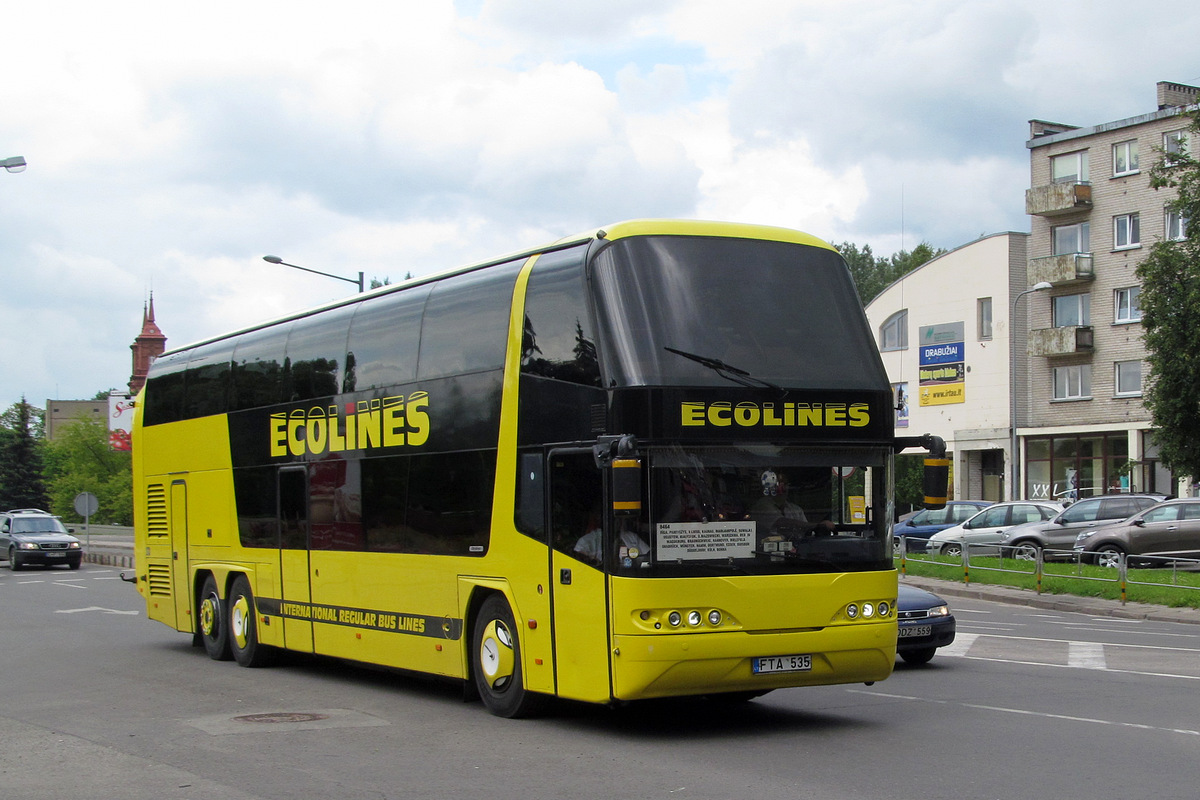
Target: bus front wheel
pixel 243 627
pixel 496 662
pixel 214 629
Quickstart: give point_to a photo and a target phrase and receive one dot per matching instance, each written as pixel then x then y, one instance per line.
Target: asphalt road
pixel 1029 703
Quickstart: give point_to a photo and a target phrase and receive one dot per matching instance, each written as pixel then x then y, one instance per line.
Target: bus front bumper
pixel 681 664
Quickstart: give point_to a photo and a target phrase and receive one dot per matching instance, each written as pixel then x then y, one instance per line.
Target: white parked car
pixel 986 527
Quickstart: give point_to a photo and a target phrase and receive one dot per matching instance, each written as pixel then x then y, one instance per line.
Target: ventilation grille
pixel 159 579
pixel 156 510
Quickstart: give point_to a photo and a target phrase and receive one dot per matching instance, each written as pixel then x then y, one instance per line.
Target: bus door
pixel 293 554
pixel 178 553
pixel 579 587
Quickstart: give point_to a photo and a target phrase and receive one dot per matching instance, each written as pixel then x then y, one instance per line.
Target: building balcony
pixel 1054 199
pixel 1066 341
pixel 1061 270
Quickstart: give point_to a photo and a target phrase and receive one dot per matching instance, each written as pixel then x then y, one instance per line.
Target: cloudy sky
pixel 171 146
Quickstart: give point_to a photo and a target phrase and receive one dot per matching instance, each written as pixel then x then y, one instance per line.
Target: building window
pixel 1128 378
pixel 1069 168
pixel 1125 304
pixel 1176 226
pixel 1073 383
pixel 1072 309
pixel 1125 158
pixel 984 313
pixel 1126 232
pixel 1071 239
pixel 1175 144
pixel 893 333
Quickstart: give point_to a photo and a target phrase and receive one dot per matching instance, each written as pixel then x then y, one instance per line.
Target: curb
pixel 1094 606
pixel 109 559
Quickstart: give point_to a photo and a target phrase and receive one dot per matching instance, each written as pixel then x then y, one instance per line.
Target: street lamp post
pixel 1014 459
pixel 282 263
pixel 14 164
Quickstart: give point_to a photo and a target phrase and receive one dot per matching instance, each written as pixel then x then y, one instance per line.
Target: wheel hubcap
pixel 239 620
pixel 208 616
pixel 496 657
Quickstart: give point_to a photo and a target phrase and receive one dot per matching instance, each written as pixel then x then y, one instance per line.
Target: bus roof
pixel 620 230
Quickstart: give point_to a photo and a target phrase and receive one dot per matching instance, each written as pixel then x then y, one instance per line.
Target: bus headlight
pixel 852 611
pixel 868 610
pixel 693 618
pixel 884 609
pixel 674 619
pixel 714 618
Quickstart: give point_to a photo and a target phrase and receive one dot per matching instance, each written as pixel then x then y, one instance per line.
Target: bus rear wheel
pixel 213 626
pixel 243 627
pixel 496 662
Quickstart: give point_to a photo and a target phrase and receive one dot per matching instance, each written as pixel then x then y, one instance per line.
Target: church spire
pixel 148 346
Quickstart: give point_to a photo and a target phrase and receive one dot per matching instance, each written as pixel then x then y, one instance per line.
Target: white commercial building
pixel 944 335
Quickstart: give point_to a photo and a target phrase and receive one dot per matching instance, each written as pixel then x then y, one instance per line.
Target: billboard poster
pixel 120 421
pixel 941 366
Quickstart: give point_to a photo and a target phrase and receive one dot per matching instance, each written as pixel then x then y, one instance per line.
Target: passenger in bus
pixel 630 546
pixel 775 514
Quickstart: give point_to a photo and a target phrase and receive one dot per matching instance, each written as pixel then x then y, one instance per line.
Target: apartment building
pixel 1081 423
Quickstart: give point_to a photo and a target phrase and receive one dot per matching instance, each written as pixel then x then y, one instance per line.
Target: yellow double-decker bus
pixel 650 461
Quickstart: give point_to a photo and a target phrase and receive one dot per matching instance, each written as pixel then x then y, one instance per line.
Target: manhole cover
pixel 281 716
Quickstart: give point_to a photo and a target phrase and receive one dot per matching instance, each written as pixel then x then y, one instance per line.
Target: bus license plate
pixel 769 664
pixel 916 630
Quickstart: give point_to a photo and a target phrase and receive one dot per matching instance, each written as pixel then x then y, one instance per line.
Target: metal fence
pixel 1126 569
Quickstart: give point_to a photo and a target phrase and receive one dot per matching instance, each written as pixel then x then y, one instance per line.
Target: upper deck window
pixel 785 313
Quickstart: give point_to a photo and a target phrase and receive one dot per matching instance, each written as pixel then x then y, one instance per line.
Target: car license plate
pixel 916 630
pixel 797 663
pixel 56 555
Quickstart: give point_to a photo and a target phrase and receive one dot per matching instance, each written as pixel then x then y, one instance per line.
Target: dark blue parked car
pixel 920 526
pixel 925 624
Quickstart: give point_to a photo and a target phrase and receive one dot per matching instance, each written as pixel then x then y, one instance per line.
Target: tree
pixel 1170 306
pixel 21 482
pixel 81 460
pixel 872 274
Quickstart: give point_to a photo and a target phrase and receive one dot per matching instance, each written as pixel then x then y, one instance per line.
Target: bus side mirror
pixel 626 487
pixel 936 481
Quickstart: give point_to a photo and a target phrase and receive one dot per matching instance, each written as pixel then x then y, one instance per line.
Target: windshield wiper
pixel 727 371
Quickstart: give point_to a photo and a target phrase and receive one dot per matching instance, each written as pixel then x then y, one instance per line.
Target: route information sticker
pixel 705 540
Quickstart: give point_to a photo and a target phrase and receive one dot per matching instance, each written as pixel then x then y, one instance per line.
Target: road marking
pixel 93 608
pixel 959 647
pixel 1026 712
pixel 1086 655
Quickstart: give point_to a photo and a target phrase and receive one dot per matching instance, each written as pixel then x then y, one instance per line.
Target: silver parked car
pixel 1058 534
pixel 1168 530
pixel 987 527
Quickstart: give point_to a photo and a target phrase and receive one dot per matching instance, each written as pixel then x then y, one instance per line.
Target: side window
pixel 1190 511
pixel 531 494
pixel 315 355
pixel 992 518
pixel 254 492
pixel 558 340
pixel 466 322
pixel 257 364
pixel 1163 514
pixel 1023 513
pixel 576 506
pixel 1081 512
pixel 450 503
pixel 963 513
pixel 1117 508
pixel 384 336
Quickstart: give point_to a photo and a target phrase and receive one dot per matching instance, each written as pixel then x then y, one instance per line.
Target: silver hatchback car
pixel 1163 532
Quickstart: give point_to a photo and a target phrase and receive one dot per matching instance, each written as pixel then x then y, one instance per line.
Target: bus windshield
pixel 758 509
pixel 704 311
